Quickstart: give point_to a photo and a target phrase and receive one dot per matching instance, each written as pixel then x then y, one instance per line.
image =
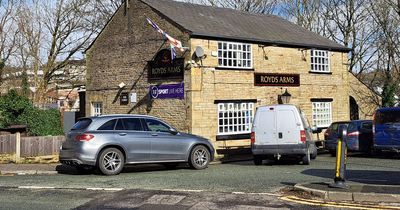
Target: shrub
pixel 42 122
pixel 16 109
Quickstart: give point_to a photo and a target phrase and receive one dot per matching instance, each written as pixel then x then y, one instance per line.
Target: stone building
pixel 233 62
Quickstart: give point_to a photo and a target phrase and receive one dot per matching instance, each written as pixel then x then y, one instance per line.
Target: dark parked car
pixel 331 135
pixel 359 136
pixel 387 129
pixel 109 142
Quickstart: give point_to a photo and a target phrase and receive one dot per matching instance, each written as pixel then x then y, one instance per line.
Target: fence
pixel 21 147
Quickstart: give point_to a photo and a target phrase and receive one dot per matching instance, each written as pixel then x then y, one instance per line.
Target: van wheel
pixel 111 161
pixel 314 152
pixel 306 158
pixel 257 160
pixel 333 153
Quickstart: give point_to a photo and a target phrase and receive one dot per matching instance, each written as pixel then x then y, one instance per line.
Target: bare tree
pixel 54 33
pixel 8 31
pixel 387 21
pixel 309 14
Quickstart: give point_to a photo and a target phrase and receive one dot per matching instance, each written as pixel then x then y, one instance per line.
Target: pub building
pixel 230 62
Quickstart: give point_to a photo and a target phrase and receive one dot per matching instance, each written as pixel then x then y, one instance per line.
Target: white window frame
pixel 235 55
pixel 235 118
pixel 322 113
pixel 97 108
pixel 320 61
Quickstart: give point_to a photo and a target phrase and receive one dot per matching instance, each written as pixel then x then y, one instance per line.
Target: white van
pixel 281 130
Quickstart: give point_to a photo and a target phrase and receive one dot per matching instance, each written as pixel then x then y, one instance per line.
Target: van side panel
pixel 265 127
pixel 288 127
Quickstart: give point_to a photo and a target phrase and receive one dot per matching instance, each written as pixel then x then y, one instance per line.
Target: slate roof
pixel 228 24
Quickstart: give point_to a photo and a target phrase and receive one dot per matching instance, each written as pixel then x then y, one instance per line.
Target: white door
pixel 265 127
pixel 288 127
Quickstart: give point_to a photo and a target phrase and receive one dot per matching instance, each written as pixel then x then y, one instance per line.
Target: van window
pixel 82 124
pixel 387 117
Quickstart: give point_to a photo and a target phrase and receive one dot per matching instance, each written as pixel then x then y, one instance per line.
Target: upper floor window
pixel 320 61
pixel 234 55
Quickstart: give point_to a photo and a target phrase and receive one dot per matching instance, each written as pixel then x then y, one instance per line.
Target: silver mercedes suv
pixel 109 142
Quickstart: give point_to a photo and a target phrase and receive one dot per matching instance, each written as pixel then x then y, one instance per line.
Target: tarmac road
pixel 232 177
pixel 239 185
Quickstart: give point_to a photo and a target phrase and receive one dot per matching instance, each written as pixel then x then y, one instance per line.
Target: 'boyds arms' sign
pixel 262 79
pixel 163 67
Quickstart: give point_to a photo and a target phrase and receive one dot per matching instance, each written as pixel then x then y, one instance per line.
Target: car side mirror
pixel 315 129
pixel 173 131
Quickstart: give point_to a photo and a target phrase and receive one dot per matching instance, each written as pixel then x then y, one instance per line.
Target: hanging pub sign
pixel 123 99
pixel 167 91
pixel 164 67
pixel 267 79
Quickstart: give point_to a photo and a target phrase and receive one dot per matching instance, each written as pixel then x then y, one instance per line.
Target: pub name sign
pixel 267 79
pixel 163 67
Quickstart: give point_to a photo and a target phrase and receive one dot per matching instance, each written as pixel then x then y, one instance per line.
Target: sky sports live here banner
pixel 167 91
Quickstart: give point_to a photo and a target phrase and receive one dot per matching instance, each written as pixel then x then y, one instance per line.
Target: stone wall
pixel 120 54
pixel 366 99
pixel 209 84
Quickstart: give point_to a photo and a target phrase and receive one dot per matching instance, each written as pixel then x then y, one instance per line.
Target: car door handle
pixel 122 134
pixel 154 134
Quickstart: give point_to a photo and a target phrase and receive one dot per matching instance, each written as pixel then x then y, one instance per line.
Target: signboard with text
pixel 123 99
pixel 167 91
pixel 163 67
pixel 267 79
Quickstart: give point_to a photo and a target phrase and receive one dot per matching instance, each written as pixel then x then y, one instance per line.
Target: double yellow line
pixel 336 204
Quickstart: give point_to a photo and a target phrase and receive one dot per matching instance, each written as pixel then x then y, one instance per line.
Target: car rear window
pixel 367 125
pixel 387 117
pixel 81 124
pixel 108 126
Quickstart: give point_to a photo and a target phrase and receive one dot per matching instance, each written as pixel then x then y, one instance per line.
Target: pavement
pixel 354 193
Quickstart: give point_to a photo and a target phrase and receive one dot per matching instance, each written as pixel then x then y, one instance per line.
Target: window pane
pixel 108 125
pixel 132 124
pixel 157 126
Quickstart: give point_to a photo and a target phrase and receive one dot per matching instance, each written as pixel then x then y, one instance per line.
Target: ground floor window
pixel 322 113
pixel 97 108
pixel 235 118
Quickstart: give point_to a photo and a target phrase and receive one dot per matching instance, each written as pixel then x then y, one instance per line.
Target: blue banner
pixel 167 91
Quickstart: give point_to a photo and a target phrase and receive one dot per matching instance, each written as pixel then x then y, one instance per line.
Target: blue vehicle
pixel 332 134
pixel 386 129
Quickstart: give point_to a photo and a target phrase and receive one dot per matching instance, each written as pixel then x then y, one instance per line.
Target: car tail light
pixel 355 133
pixel 303 136
pixel 84 137
pixel 253 137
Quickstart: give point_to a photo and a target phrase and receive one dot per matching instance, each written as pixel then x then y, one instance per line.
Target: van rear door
pixel 265 127
pixel 289 126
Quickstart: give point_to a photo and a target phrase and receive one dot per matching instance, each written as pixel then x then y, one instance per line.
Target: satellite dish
pixel 199 52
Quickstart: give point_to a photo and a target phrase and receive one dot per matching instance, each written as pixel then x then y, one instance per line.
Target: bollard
pixel 341 156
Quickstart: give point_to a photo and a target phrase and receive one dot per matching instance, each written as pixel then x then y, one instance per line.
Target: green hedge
pixel 16 109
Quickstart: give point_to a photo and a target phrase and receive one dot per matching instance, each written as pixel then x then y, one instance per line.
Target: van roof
pixel 386 109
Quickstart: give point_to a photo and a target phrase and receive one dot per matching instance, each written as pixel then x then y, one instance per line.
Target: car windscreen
pixel 387 117
pixel 81 124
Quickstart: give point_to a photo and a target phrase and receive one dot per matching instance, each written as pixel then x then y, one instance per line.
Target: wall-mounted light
pixel 303 54
pixel 284 98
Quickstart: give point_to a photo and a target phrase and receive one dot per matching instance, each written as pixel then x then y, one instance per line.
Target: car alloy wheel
pixel 111 161
pixel 200 157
